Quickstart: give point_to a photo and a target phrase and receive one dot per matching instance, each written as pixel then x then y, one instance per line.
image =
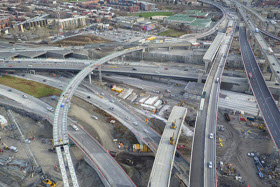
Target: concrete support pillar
pixel 100 75
pixel 272 77
pixel 89 78
pixel 168 48
pixel 265 66
pixel 206 66
pixel 199 78
pixel 266 27
pixel 142 56
pixel 32 71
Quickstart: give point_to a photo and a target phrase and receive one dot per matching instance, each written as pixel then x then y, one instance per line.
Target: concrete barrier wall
pixel 159 57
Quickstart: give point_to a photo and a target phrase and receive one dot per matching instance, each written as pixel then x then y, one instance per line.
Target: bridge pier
pixel 272 77
pixel 199 79
pixel 100 75
pixel 89 78
pixel 105 182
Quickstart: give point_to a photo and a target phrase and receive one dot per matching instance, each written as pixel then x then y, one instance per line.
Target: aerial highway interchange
pixel 201 169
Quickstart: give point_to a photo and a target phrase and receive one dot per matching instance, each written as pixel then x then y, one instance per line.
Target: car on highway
pixel 145 131
pixel 134 69
pixel 157 72
pixel 217 80
pixel 10 66
pixel 250 75
pixel 44 80
pixel 111 108
pixel 112 101
pixel 165 68
pixel 102 93
pixel 24 96
pixel 10 90
pixel 126 117
pixel 88 97
pixel 210 165
pixel 94 117
pixel 211 135
pixel 135 123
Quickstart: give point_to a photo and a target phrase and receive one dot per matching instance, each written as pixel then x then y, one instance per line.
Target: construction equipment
pixel 6 147
pixel 52 149
pixel 129 162
pixel 1 139
pixel 48 182
pixel 227 116
pixel 173 125
pixel 172 140
pixel 181 103
pixel 242 118
pixel 56 168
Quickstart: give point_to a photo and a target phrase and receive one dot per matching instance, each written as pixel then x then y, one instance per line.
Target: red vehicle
pixel 250 75
pixel 165 68
pixel 10 66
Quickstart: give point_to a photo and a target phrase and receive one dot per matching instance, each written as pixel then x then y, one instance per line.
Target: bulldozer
pixel 172 140
pixel 173 125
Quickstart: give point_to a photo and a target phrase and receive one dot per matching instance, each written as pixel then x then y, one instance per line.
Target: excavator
pixel 172 140
pixel 6 147
pixel 47 182
pixel 173 125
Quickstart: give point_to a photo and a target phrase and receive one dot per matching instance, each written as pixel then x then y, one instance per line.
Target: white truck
pixel 257 30
pixel 270 50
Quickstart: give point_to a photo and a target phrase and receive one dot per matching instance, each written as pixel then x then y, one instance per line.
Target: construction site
pixel 245 152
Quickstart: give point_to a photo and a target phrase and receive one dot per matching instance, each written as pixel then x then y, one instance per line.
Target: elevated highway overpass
pixel 60 117
pixel 164 159
pixel 274 63
pixel 203 158
pixel 263 22
pixel 266 102
pixel 107 168
pixel 269 34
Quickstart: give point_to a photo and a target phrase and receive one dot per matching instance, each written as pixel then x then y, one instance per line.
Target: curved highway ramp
pixel 266 102
pixel 163 164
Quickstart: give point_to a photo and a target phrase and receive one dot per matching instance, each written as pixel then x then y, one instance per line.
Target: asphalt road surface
pixel 266 102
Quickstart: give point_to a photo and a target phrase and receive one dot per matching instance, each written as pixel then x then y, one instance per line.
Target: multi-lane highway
pixel 203 150
pixel 108 169
pixel 266 102
pixel 270 57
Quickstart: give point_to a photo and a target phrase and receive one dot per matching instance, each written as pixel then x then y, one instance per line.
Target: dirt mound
pixel 82 40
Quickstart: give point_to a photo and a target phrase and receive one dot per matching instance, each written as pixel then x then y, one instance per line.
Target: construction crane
pixel 172 141
pixel 173 125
